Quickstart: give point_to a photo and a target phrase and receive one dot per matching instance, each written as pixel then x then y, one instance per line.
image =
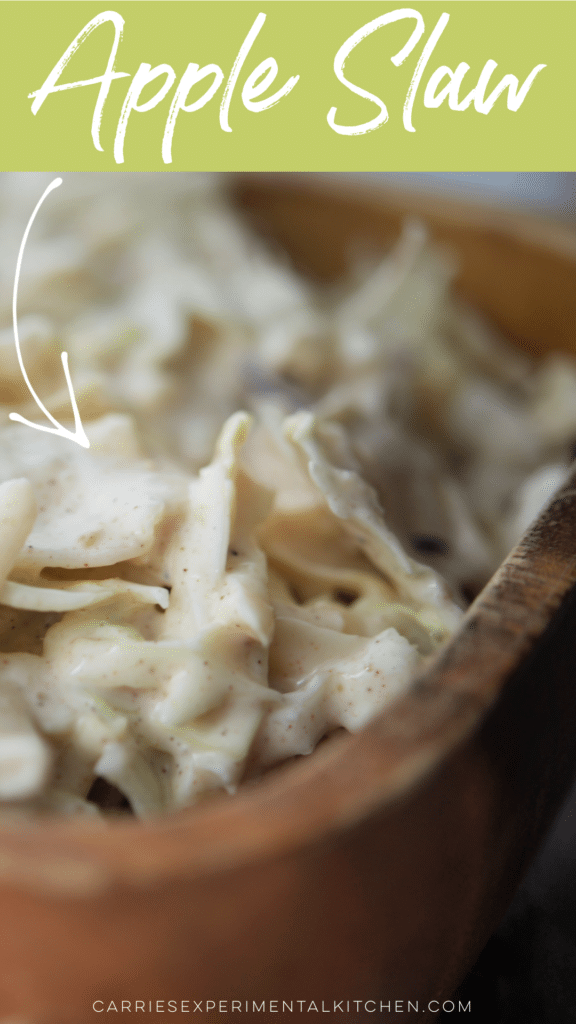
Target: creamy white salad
pixel 291 491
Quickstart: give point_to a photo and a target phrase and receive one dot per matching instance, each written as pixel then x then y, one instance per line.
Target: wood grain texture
pixel 376 868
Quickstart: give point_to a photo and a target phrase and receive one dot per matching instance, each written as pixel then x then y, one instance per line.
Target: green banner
pixel 291 85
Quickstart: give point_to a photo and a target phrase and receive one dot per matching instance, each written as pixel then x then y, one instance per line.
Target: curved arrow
pixel 79 435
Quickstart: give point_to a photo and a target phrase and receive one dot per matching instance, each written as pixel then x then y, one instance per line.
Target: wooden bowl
pixel 376 868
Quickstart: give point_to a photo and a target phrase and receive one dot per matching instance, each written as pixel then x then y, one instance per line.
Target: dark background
pixel 526 974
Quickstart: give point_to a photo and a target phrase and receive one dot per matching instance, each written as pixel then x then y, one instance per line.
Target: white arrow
pixel 79 435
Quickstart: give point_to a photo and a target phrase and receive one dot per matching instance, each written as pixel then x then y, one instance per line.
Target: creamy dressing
pixel 213 586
